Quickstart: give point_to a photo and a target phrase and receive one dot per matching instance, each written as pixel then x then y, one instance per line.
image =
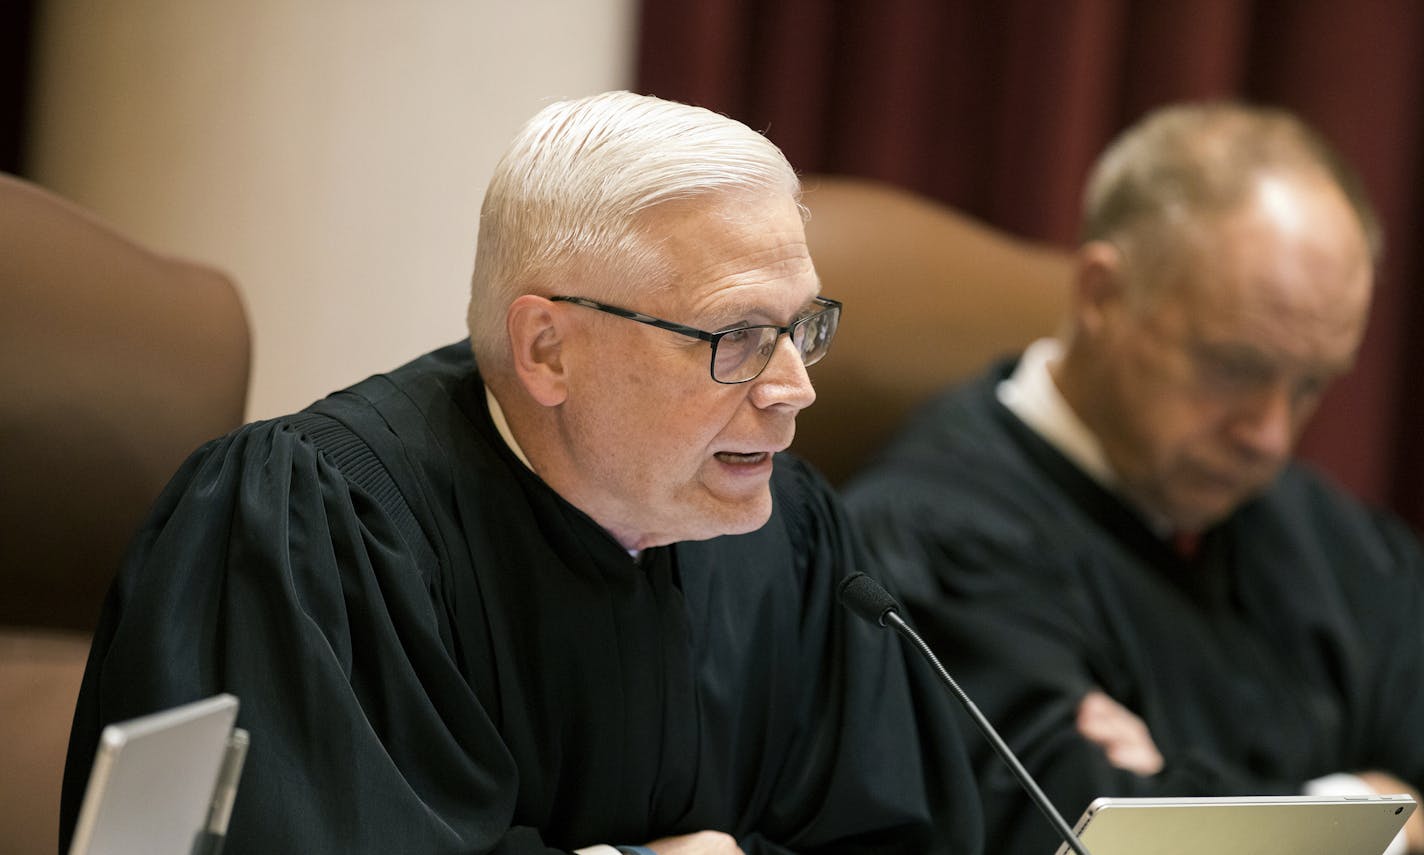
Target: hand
pixel 697 843
pixel 1123 736
pixel 1386 784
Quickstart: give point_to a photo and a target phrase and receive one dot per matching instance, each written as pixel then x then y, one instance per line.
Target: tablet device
pixel 151 789
pixel 1251 825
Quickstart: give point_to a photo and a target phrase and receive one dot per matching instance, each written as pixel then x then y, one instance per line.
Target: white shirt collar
pixel 501 424
pixel 1032 395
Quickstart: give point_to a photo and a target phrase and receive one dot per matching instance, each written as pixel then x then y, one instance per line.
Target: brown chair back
pixel 115 363
pixel 931 297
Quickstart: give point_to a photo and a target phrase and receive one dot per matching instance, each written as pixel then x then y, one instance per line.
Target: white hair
pixel 568 197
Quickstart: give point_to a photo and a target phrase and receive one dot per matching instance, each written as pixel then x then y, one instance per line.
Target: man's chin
pixel 1200 513
pixel 746 520
pixel 723 519
pixel 743 516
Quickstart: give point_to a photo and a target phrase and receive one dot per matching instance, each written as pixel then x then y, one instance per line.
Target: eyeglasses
pixel 742 354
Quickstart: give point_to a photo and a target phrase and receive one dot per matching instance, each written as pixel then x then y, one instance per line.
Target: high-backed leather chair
pixel 115 363
pixel 931 297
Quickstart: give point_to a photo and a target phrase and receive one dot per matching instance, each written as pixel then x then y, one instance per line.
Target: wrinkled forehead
pixel 1294 311
pixel 745 246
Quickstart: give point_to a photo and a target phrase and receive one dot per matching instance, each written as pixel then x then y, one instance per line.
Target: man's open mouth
pixel 742 458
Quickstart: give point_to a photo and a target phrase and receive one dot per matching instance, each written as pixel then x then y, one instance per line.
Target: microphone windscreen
pixel 865 596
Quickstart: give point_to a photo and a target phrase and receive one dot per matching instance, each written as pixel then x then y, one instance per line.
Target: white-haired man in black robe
pixel 556 589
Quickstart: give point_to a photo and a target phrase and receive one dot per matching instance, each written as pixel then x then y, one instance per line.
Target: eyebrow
pixel 1255 357
pixel 756 314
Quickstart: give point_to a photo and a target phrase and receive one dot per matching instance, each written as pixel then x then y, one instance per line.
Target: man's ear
pixel 536 340
pixel 1098 285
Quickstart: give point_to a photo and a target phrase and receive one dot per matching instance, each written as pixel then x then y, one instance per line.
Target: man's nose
pixel 1267 425
pixel 784 380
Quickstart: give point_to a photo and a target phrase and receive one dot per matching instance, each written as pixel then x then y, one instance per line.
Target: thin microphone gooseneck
pixel 865 596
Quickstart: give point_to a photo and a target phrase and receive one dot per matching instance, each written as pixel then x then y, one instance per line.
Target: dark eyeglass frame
pixel 826 304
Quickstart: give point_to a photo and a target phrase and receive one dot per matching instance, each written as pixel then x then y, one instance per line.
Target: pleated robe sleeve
pixel 263 571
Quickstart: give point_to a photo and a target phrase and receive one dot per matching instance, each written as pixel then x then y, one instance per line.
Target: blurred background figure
pixel 1107 537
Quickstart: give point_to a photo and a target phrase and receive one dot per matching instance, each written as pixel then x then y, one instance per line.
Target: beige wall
pixel 329 154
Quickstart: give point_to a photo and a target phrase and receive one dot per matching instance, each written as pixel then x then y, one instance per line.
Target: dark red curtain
pixel 998 107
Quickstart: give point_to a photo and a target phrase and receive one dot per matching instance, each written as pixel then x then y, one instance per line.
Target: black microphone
pixel 865 596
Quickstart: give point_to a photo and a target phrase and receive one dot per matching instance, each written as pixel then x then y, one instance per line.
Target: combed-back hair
pixel 570 194
pixel 1184 163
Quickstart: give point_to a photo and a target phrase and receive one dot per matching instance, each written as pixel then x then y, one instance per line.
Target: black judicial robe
pixel 1291 647
pixel 435 653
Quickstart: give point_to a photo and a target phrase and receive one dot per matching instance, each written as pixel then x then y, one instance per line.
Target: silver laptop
pixel 163 784
pixel 1254 825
